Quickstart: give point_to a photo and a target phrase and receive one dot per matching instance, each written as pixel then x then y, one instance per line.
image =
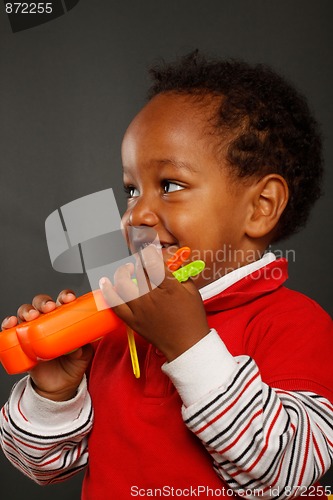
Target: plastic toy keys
pixel 65 329
pixel 189 271
pixel 180 256
pixel 133 352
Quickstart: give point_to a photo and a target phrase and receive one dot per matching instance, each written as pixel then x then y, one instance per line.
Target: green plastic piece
pixel 186 272
pixel 190 270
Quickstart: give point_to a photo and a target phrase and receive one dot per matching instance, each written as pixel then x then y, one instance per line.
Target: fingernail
pixel 27 315
pixel 4 321
pixel 49 305
pixel 103 282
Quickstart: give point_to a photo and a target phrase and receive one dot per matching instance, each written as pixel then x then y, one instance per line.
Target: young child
pixel 235 396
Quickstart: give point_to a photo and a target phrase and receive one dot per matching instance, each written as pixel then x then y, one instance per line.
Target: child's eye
pixel 131 191
pixel 171 187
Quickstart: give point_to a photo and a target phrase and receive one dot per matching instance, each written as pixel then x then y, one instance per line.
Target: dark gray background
pixel 69 88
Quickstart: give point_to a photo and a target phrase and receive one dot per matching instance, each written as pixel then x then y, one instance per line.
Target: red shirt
pixel 140 441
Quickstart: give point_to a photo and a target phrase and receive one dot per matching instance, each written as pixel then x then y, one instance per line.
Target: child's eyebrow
pixel 181 165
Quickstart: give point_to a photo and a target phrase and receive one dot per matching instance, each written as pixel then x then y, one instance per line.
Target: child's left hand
pixel 171 316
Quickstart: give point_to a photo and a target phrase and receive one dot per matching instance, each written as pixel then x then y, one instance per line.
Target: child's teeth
pixel 157 245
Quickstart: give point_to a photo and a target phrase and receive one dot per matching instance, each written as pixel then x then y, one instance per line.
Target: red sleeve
pixel 291 341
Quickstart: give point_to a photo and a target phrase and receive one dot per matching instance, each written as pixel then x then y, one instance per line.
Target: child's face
pixel 178 186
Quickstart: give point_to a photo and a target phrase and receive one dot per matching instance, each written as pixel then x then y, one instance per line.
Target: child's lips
pixel 167 249
pixel 141 237
pixel 168 246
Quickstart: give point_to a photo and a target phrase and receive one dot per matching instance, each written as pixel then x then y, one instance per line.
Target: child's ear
pixel 269 198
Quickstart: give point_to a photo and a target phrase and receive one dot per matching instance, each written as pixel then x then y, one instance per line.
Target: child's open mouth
pixel 140 237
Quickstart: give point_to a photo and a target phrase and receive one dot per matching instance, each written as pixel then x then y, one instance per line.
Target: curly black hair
pixel 272 127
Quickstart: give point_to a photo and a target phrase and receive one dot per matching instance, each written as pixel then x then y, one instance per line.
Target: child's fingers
pixel 124 285
pixel 65 296
pixel 42 303
pixel 109 293
pixel 112 298
pixel 142 281
pixel 9 322
pixel 153 264
pixel 27 312
pixel 84 353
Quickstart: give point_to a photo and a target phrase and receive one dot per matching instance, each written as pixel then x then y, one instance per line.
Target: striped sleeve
pixel 263 439
pixel 46 440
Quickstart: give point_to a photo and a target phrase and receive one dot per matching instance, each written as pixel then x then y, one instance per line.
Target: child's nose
pixel 142 214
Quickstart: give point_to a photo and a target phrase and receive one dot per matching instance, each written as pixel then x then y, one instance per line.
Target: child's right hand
pixel 59 378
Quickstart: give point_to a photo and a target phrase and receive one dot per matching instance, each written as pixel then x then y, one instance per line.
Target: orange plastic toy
pixel 56 333
pixel 178 258
pixel 72 325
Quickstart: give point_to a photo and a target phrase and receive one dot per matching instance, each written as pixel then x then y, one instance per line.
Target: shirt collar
pixel 229 279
